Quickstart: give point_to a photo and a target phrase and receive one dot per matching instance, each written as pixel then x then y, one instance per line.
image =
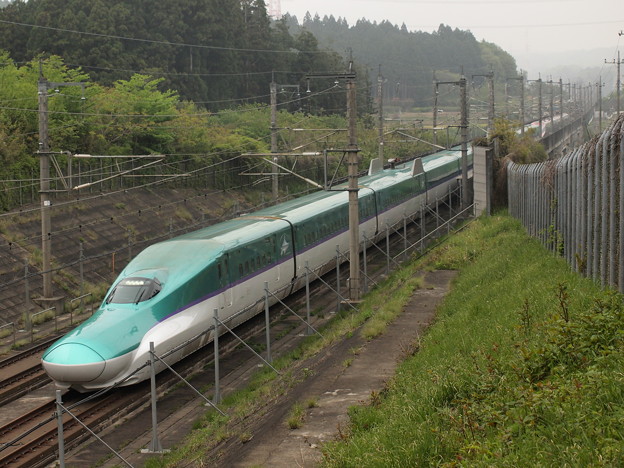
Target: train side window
pixel 246 266
pixel 253 264
pixel 240 269
pixel 219 271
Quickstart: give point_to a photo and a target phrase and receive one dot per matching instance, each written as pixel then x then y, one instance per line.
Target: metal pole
pixel 464 144
pixel 381 118
pixel 522 117
pixel 621 219
pixel 365 264
pixel 307 289
pixel 600 105
pixel 267 322
pixel 354 216
pixel 154 446
pixel 613 207
pixel 338 278
pixel 387 249
pixel 28 324
pixel 217 390
pixel 404 237
pixel 539 105
pixel 561 99
pixel 44 184
pixel 81 268
pixel 435 110
pixel 422 228
pixel 59 420
pixel 275 176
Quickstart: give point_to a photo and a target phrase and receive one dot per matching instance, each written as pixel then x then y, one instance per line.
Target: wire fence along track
pixel 575 205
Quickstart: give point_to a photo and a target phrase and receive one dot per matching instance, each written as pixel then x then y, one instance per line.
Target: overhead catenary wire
pixel 154 41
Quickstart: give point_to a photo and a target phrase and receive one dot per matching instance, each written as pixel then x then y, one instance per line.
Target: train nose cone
pixel 73 362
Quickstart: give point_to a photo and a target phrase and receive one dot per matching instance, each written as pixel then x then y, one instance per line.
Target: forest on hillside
pixel 220 53
pixel 215 53
pixel 409 60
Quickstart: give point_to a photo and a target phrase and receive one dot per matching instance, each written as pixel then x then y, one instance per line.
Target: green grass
pixel 295 416
pixel 522 368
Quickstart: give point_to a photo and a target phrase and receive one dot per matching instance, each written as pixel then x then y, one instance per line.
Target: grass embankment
pixel 524 367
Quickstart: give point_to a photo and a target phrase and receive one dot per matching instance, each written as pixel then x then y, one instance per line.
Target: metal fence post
pixel 59 420
pixel 217 391
pixel 404 237
pixel 27 324
pixel 621 214
pixel 422 228
pixel 154 446
pixel 81 267
pixel 338 298
pixel 450 203
pixel 307 292
pixel 267 321
pixel 387 249
pixel 437 214
pixel 364 264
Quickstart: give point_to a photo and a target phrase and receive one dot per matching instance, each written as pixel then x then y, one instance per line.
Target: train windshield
pixel 134 290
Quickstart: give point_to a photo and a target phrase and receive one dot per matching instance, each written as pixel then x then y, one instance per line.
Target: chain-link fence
pixel 575 205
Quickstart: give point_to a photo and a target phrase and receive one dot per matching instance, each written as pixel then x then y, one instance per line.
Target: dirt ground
pixel 332 384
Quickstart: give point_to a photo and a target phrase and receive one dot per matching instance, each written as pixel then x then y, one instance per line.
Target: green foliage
pixel 296 416
pixel 522 149
pixel 216 71
pixel 441 51
pixel 116 127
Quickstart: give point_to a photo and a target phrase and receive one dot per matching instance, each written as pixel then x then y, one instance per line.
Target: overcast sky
pixel 520 27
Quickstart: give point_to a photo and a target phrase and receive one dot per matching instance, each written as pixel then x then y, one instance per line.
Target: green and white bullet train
pixel 167 294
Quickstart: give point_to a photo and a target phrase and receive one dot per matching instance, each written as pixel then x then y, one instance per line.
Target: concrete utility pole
pixel 380 91
pixel 617 86
pixel 354 215
pixel 435 110
pixel 352 176
pixel 561 98
pixel 275 176
pixel 491 108
pixel 539 105
pixel 44 154
pixel 506 99
pixel 276 171
pixel 599 85
pixel 44 187
pixel 521 79
pixel 552 104
pixel 463 89
pixel 464 144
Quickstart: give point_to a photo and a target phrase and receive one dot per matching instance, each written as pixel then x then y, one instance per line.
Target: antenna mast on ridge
pixel 275 9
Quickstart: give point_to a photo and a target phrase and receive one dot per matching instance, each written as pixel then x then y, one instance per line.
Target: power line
pixel 182 75
pixel 153 41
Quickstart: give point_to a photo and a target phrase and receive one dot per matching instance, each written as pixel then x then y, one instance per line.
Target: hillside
pixel 522 367
pixel 109 228
pixel 410 60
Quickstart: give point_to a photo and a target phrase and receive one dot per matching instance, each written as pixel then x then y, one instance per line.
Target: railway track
pixel 31 439
pixel 22 372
